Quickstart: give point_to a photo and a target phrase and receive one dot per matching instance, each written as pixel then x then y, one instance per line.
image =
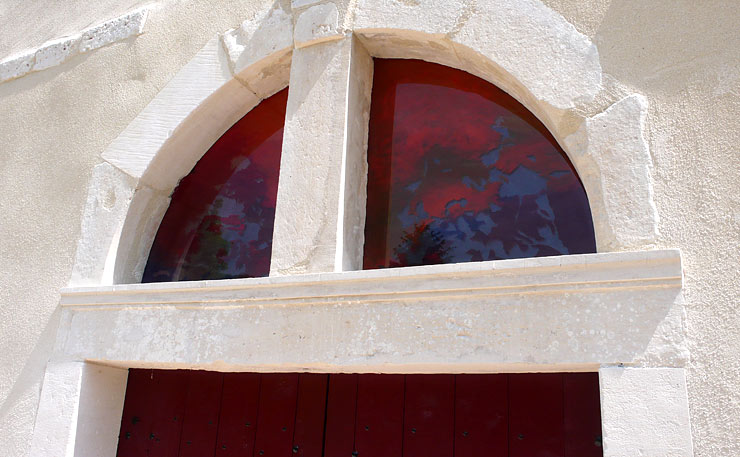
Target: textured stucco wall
pixel 684 56
pixel 53 126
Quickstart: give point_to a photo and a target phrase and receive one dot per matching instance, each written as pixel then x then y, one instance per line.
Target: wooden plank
pixel 238 419
pixel 379 427
pixel 582 415
pixel 202 405
pixel 153 413
pixel 481 415
pixel 276 416
pixel 339 435
pixel 536 415
pixel 137 415
pixel 308 439
pixel 429 416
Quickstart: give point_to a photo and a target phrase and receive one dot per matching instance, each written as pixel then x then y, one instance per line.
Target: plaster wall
pixel 683 57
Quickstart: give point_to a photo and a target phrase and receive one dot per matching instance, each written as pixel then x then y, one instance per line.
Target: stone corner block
pixel 612 156
pixel 56 418
pixel 317 24
pixel 136 147
pixel 645 411
pixel 108 198
pixel 100 409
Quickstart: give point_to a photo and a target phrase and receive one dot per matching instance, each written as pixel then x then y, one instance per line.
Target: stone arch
pixel 556 79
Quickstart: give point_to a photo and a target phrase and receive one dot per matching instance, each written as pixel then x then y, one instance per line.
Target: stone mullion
pixel 319 217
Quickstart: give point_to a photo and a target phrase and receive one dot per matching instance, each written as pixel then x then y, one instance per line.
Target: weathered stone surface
pixel 117 29
pixel 318 24
pixel 645 412
pixel 100 408
pixel 612 156
pixel 56 420
pixel 545 53
pixel 16 66
pixel 295 4
pixel 56 52
pixel 437 17
pixel 108 200
pixel 307 220
pixel 547 313
pixel 261 45
pixel 145 213
pixel 177 127
pixel 354 171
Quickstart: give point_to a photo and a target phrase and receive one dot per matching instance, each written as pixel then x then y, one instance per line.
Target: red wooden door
pixel 199 413
pixel 481 416
pixel 380 407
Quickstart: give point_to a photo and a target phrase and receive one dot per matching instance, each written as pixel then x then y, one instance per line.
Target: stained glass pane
pixel 459 171
pixel 219 223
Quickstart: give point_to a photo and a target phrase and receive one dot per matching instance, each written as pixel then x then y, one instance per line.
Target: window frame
pixel 85 379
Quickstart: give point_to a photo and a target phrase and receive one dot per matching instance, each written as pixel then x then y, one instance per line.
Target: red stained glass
pixel 459 171
pixel 220 221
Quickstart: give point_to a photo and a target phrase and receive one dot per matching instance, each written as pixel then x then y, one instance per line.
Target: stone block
pixel 537 46
pixel 611 154
pixel 56 52
pixel 435 17
pixel 645 412
pixel 318 24
pixel 16 66
pixel 258 46
pixel 322 136
pixel 56 419
pixel 100 409
pixel 108 198
pixel 120 28
pixel 182 121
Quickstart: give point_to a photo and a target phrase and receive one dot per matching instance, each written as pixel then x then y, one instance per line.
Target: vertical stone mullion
pixel 319 218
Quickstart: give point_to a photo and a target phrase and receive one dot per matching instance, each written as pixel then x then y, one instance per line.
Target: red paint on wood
pixel 238 418
pixel 184 413
pixel 340 416
pixel 202 404
pixel 153 413
pixel 136 420
pixel 536 415
pixel 308 439
pixel 582 415
pixel 276 417
pixel 481 416
pixel 379 428
pixel 429 416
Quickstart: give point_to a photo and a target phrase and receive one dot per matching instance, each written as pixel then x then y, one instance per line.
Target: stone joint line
pixel 56 52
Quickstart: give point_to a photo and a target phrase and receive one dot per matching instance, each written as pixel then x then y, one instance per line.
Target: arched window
pixel 459 171
pixel 220 220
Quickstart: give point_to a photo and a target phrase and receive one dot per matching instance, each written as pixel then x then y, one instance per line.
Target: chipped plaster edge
pixel 56 52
